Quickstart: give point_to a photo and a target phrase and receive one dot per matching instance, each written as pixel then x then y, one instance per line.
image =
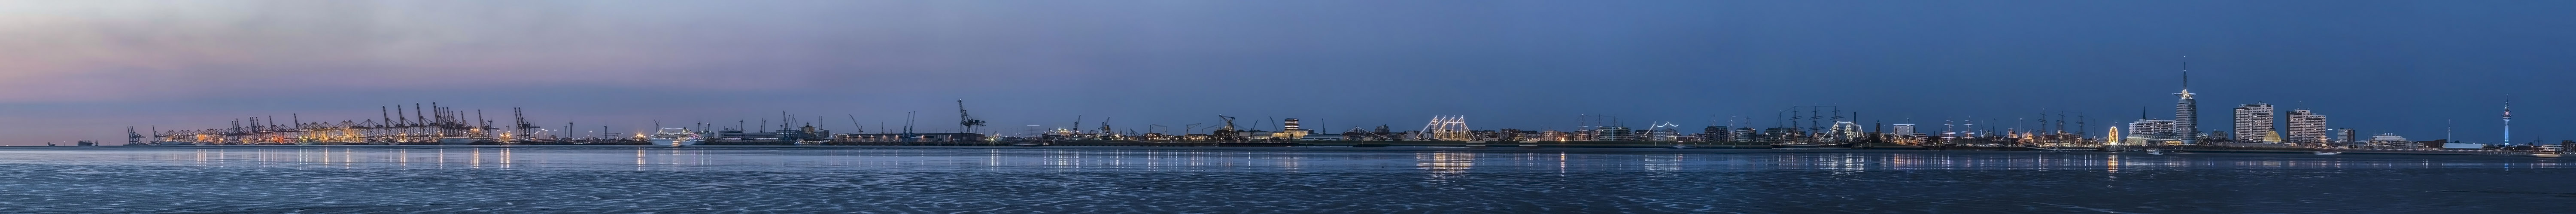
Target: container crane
pixel 966 123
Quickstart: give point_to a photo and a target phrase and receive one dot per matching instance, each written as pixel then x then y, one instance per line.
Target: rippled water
pixel 613 179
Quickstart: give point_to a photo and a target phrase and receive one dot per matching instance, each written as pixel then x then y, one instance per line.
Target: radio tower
pixel 967 123
pixel 2508 120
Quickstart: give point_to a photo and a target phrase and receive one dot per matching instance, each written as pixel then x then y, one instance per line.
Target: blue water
pixel 618 179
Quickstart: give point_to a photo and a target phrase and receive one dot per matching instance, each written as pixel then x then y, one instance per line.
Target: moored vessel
pixel 1812 145
pixel 2062 149
pixel 675 137
pixel 461 141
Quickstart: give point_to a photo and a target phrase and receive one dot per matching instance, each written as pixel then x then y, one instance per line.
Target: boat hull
pixel 1812 146
pixel 675 142
pixel 461 141
pixel 2061 149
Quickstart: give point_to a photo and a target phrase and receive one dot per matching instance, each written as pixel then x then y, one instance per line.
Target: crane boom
pixel 966 123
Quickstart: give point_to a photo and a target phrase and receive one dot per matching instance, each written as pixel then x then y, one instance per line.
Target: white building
pixel 2306 127
pixel 2252 122
pixel 2391 139
pixel 1903 129
pixel 2152 127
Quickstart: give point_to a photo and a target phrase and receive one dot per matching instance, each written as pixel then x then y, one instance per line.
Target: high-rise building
pixel 2187 111
pixel 2346 135
pixel 2252 121
pixel 2307 127
pixel 1902 129
pixel 2151 127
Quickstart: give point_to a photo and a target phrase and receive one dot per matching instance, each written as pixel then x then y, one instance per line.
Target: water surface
pixel 621 179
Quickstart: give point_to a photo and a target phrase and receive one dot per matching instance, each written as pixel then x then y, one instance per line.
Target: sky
pixel 85 70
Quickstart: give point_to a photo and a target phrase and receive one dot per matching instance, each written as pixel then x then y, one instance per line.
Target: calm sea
pixel 620 179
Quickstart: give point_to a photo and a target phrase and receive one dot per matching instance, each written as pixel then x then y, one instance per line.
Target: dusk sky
pixel 85 70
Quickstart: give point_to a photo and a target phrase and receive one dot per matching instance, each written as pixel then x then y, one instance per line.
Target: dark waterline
pixel 619 179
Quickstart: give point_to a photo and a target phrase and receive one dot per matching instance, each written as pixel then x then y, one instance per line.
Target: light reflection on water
pixel 1445 165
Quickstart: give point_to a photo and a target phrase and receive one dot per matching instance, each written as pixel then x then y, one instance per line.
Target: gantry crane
pixel 966 123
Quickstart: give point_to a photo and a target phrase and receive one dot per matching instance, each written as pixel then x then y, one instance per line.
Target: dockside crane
pixel 1229 123
pixel 1227 133
pixel 131 138
pixel 1104 127
pixel 526 130
pixel 966 123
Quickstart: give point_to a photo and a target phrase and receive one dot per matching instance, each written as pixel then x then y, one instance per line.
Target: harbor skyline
pixel 1318 106
pixel 2369 64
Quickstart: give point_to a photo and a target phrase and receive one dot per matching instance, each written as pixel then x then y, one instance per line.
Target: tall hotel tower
pixel 2508 121
pixel 2187 111
pixel 2306 127
pixel 2253 122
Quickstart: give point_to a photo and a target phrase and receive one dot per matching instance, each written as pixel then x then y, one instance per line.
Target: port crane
pixel 1104 127
pixel 526 131
pixel 1227 132
pixel 131 138
pixel 966 123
